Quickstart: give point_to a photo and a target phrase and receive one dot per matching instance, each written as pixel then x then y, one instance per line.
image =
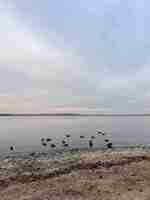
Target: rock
pixel 4 183
pixel 27 174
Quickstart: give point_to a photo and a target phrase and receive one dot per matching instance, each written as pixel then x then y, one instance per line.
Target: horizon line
pixel 74 114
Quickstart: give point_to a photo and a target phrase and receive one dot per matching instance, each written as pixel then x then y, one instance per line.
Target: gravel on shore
pixel 76 175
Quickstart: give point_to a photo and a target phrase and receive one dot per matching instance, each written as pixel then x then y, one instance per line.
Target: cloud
pixel 88 61
pixel 31 65
pixel 28 51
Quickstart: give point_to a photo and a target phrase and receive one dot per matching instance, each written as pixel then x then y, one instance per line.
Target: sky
pixel 75 56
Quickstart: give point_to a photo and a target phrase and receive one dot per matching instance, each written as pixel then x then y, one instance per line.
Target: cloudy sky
pixel 75 56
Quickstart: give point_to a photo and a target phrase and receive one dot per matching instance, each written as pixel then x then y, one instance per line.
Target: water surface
pixel 25 132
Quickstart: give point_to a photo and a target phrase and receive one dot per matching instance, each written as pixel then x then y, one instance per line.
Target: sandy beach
pixel 107 175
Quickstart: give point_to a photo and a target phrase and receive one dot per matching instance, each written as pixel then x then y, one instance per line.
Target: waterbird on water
pixel 42 139
pixel 53 146
pixel 48 140
pixel 66 145
pixel 63 142
pixel 101 133
pixel 82 136
pixel 11 148
pixel 44 144
pixel 68 135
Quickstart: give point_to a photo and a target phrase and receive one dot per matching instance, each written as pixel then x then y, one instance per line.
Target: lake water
pixel 25 132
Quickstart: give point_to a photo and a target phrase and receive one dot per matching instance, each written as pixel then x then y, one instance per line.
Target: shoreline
pixel 47 163
pixel 35 168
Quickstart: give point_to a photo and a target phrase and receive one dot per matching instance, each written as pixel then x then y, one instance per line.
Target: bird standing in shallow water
pixel 90 143
pixel 109 145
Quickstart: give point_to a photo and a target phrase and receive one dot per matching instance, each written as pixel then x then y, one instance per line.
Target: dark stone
pixel 129 189
pixel 140 190
pixel 32 154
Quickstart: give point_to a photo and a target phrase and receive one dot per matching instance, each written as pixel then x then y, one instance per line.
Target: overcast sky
pixel 75 56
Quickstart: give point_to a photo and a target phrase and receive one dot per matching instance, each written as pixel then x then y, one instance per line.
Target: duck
pixel 48 140
pixel 11 148
pixel 82 136
pixel 53 145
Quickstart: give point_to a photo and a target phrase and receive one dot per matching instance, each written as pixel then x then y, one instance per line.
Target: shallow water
pixel 25 132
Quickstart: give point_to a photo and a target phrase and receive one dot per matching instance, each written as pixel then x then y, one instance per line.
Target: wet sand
pixel 99 175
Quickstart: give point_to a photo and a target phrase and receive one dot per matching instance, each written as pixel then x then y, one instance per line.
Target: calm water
pixel 25 132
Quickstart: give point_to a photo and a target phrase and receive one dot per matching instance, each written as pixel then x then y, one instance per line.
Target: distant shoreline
pixel 70 114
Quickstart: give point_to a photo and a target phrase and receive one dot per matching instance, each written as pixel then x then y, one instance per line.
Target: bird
pixel 53 146
pixel 11 148
pixel 92 137
pixel 68 135
pixel 82 136
pixel 100 133
pixel 63 142
pixel 44 144
pixel 109 145
pixel 42 139
pixel 66 145
pixel 90 143
pixel 48 140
